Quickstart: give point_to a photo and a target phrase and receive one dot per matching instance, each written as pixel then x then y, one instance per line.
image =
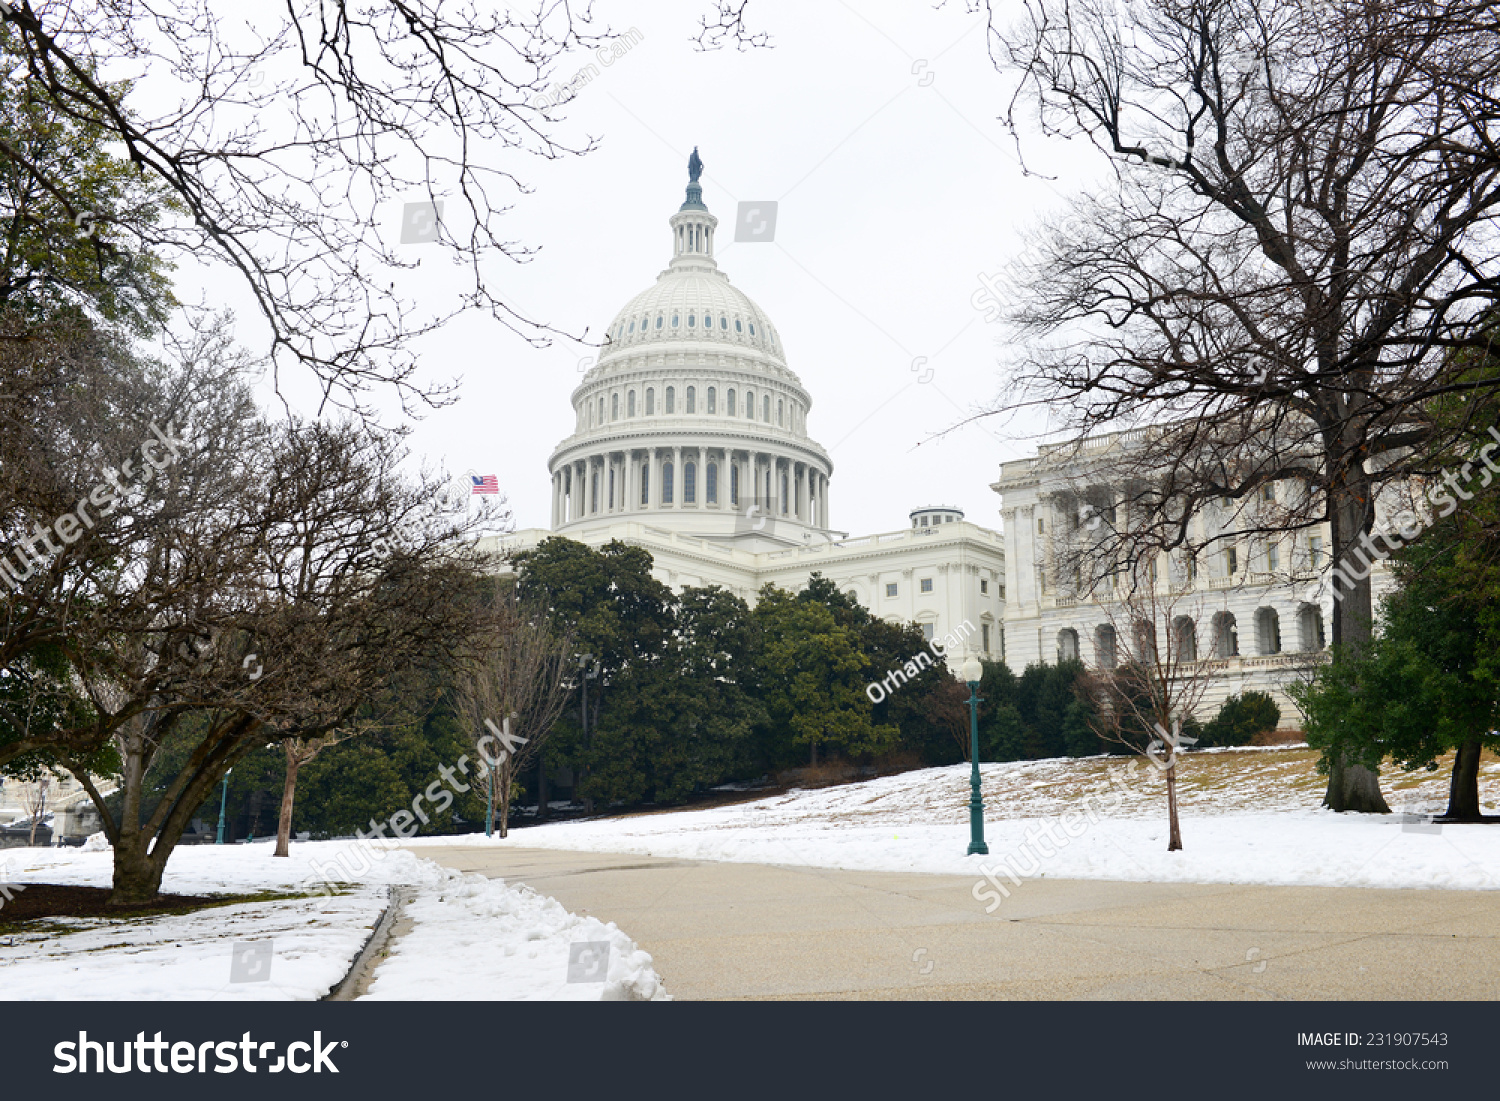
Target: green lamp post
pixel 223 800
pixel 973 671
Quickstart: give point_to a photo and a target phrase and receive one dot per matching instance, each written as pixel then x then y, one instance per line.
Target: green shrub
pixel 1241 719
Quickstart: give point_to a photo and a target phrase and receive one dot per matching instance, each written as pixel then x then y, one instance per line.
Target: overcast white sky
pixel 875 128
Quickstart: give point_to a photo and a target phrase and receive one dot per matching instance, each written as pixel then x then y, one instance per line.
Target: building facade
pixel 691 440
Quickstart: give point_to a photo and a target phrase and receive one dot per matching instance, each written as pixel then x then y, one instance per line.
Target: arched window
pixel 692 400
pixel 692 321
pixel 1185 634
pixel 658 321
pixel 737 326
pixel 1145 641
pixel 1267 631
pixel 729 402
pixel 752 328
pixel 711 485
pixel 632 327
pixel 689 483
pixel 723 322
pixel 765 409
pixel 1067 645
pixel 780 414
pixel 630 404
pixel 666 483
pixel 614 407
pixel 734 483
pixel 1105 649
pixel 601 409
pixel 1226 636
pixel 646 483
pixel 651 401
pixel 750 404
pixel 674 320
pixel 671 399
pixel 784 495
pixel 1310 628
pixel 712 394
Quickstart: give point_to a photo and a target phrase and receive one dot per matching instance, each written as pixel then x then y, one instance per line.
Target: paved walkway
pixel 719 930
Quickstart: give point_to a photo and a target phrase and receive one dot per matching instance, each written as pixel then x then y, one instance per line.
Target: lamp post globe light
pixel 973 672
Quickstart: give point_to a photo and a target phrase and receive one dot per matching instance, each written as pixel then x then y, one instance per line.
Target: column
pixel 802 492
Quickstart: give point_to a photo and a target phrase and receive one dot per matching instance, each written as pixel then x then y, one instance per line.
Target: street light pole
pixel 973 671
pixel 223 801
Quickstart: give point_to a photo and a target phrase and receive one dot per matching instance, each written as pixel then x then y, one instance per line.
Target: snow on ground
pixel 1247 816
pixel 471 937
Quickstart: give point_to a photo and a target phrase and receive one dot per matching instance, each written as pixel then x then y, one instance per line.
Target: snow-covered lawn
pixel 470 937
pixel 1248 816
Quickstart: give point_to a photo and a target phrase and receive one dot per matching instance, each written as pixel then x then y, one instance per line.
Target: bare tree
pixel 1158 677
pixel 514 690
pixel 34 800
pixel 1298 242
pixel 282 143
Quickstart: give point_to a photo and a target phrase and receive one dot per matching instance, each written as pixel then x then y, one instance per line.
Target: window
pixel 692 321
pixel 651 400
pixel 1315 551
pixel 1310 628
pixel 734 483
pixel 708 322
pixel 601 410
pixel 780 414
pixel 750 404
pixel 927 631
pixel 984 589
pixel 723 322
pixel 936 520
pixel 712 394
pixel 752 328
pixel 1186 635
pixel 737 325
pixel 658 321
pixel 729 403
pixel 927 584
pixel 1267 631
pixel 1067 645
pixel 671 399
pixel 1226 636
pixel 632 326
pixel 765 409
pixel 1268 492
pixel 666 483
pixel 890 589
pixel 614 407
pixel 645 483
pixel 1232 561
pixel 689 483
pixel 785 496
pixel 692 400
pixel 924 521
pixel 711 486
pixel 630 404
pixel 674 321
pixel 984 637
pixel 1041 526
pixel 1104 646
pixel 611 487
pixel 594 492
pixel 1273 557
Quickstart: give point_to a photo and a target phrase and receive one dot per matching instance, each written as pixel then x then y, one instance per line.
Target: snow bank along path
pixel 1248 816
pixel 471 938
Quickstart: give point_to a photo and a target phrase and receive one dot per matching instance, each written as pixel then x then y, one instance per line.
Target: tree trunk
pixel 1174 831
pixel 503 797
pixel 1351 786
pixel 137 875
pixel 288 797
pixel 1463 790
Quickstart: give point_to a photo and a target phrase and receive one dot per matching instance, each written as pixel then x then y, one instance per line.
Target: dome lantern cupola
pixel 693 226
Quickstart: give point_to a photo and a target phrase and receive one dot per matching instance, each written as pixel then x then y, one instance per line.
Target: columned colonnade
pixel 633 480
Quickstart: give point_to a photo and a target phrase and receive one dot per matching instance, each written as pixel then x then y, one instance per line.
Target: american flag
pixel 485 483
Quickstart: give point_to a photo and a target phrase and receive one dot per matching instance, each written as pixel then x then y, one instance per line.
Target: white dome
pixel 686 305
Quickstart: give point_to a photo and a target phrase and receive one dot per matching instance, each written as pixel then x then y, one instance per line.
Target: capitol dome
pixel 691 418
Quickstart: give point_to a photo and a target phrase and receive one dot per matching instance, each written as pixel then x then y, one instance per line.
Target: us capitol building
pixel 691 441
